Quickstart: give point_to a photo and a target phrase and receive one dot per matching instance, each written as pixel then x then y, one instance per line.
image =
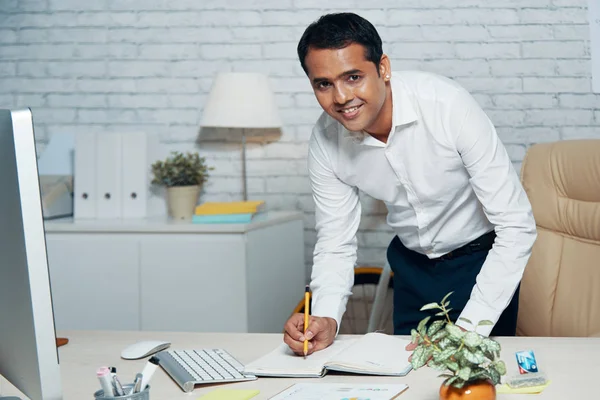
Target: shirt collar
pixel 403 113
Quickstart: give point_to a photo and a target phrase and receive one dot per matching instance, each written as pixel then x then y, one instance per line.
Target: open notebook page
pixel 283 362
pixel 374 353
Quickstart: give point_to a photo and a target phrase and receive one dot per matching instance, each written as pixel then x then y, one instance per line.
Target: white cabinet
pixel 171 276
pixel 206 277
pixel 94 281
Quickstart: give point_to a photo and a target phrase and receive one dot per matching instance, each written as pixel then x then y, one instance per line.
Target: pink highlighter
pixel 105 378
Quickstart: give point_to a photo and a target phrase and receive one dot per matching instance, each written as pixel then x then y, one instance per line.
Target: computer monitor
pixel 28 352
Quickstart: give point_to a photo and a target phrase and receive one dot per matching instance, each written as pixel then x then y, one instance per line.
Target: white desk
pixel 569 362
pixel 166 275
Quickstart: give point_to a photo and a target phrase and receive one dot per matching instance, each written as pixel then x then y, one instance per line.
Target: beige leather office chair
pixel 560 291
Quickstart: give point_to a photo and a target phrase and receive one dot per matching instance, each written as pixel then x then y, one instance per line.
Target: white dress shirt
pixel 445 178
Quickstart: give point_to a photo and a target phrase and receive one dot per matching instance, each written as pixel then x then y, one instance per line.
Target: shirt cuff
pixel 476 312
pixel 329 306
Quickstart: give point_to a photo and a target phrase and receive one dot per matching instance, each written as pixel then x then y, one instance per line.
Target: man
pixel 421 144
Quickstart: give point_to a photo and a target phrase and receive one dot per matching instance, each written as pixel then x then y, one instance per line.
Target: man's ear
pixel 385 70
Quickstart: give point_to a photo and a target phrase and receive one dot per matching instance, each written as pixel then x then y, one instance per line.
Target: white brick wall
pixel 148 65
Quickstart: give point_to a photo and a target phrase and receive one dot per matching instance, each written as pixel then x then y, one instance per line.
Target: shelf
pixel 165 225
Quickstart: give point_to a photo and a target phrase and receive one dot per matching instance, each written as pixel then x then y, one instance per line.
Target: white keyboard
pixel 191 367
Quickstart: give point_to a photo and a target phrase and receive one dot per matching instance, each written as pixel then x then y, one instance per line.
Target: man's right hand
pixel 320 333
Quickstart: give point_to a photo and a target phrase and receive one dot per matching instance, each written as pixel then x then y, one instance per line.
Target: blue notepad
pixel 223 218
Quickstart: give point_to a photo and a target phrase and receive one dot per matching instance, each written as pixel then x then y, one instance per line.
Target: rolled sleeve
pixel 505 203
pixel 337 216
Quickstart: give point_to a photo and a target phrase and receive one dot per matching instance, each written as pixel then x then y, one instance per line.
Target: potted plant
pixel 469 360
pixel 183 175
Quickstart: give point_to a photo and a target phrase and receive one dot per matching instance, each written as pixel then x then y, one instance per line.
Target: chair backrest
pixel 560 290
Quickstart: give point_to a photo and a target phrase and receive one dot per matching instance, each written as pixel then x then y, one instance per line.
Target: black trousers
pixel 419 280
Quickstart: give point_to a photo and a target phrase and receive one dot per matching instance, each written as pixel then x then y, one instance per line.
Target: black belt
pixel 483 242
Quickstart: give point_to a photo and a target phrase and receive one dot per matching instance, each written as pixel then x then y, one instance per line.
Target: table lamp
pixel 241 100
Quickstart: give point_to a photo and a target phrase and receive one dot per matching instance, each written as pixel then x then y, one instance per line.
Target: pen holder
pixel 143 395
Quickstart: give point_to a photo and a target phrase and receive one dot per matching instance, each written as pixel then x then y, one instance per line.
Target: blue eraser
pixel 526 361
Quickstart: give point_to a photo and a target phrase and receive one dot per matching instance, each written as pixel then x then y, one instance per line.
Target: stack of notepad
pixel 236 212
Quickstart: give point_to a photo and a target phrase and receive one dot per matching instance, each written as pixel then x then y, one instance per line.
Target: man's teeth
pixel 349 110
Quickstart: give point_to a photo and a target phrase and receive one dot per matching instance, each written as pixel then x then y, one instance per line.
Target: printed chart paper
pixel 340 391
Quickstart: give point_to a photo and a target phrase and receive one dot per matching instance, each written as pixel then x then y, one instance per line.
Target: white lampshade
pixel 241 100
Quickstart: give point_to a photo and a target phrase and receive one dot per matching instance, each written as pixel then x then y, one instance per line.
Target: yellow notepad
pixel 505 389
pixel 231 207
pixel 230 394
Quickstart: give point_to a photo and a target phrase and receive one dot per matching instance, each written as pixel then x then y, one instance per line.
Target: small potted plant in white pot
pixel 470 361
pixel 183 175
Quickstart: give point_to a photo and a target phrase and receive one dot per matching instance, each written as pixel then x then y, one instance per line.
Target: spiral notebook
pixel 371 354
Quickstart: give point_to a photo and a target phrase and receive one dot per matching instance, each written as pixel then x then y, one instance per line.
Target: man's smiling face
pixel 347 85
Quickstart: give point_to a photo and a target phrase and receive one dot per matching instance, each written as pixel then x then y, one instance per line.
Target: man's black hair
pixel 338 30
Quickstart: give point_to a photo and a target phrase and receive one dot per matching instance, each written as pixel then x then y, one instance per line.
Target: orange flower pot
pixel 478 390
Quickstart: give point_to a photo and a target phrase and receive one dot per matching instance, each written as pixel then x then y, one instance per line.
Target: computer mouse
pixel 143 349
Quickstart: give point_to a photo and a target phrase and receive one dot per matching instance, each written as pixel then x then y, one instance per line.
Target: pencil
pixel 306 307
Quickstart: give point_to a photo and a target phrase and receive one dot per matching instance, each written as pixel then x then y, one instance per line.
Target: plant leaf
pixel 445 342
pixel 472 339
pixel 464 373
pixel 445 376
pixel 485 322
pixel 430 306
pixel 489 355
pixel 446 297
pixel 440 314
pixel 444 313
pixel 435 365
pixel 459 383
pixel 473 357
pixel 480 355
pixel 444 355
pixel 435 327
pixel 494 376
pixel 500 367
pixel 419 357
pixel 439 335
pixel 429 352
pixel 450 380
pixel 479 375
pixel 468 321
pixel 421 327
pixel 456 334
pixel 490 344
pixel 452 366
pixel 180 170
pixel 414 335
